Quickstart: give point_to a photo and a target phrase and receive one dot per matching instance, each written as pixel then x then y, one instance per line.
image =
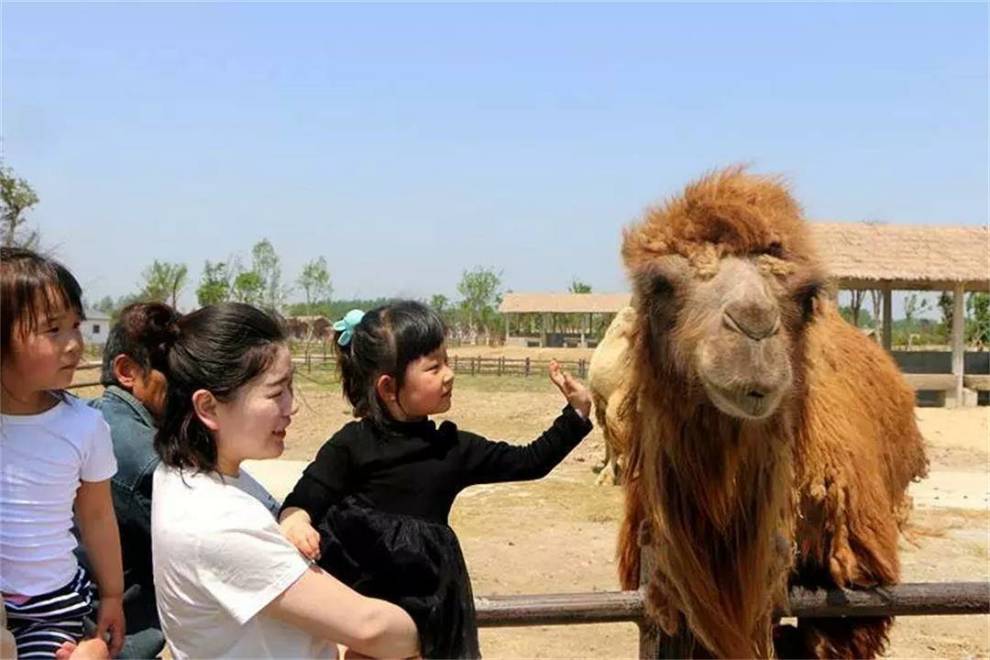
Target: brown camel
pixel 771 443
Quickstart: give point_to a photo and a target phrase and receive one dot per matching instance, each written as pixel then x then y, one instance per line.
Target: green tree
pixel 315 283
pixel 480 293
pixel 267 265
pixel 577 286
pixel 439 303
pixel 865 319
pixel 248 288
pixel 16 198
pixel 978 326
pixel 913 306
pixel 163 281
pixel 856 299
pixel 106 305
pixel 214 285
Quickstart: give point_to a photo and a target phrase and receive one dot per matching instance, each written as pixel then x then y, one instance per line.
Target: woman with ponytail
pixel 229 584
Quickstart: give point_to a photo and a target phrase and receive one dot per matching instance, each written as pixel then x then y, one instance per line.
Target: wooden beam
pixel 958 339
pixel 911 285
pixel 915 599
pixel 888 317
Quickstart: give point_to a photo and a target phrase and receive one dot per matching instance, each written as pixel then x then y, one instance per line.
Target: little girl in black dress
pixel 380 490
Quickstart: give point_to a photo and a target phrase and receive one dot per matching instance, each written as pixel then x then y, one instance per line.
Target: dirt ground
pixel 558 534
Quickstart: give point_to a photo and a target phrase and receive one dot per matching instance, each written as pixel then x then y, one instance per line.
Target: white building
pixel 95 328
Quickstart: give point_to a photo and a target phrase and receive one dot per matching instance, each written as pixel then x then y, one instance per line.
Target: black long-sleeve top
pixel 418 468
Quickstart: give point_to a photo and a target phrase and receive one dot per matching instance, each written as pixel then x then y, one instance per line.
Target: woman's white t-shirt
pixel 43 459
pixel 219 559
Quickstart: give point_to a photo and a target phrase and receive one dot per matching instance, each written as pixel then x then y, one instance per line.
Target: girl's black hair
pixel 386 340
pixel 218 348
pixel 144 333
pixel 32 288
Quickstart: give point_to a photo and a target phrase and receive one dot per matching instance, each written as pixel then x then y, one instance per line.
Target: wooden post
pixel 505 318
pixel 501 364
pixel 526 372
pixel 888 315
pixel 544 328
pixel 455 364
pixel 472 366
pixel 649 632
pixel 958 340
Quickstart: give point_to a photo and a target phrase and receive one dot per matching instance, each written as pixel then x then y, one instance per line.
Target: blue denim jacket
pixel 132 430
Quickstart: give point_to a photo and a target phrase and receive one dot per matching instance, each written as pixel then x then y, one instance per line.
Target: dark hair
pixel 32 287
pixel 143 332
pixel 218 348
pixel 386 340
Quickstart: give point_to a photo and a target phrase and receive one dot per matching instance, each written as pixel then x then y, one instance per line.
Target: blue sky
pixel 406 143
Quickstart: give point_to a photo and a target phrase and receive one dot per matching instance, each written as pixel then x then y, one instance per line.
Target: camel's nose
pixel 754 316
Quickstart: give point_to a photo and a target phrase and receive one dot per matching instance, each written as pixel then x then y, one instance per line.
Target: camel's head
pixel 726 280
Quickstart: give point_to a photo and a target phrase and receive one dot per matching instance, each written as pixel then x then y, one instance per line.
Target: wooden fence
pixel 503 366
pixel 481 366
pixel 916 599
pixel 87 366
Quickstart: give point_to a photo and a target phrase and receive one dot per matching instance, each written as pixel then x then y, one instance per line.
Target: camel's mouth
pixel 747 403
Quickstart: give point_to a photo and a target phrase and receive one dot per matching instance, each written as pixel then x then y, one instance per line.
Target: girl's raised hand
pixel 573 390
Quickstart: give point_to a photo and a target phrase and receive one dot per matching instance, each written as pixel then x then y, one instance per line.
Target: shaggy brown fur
pixel 806 485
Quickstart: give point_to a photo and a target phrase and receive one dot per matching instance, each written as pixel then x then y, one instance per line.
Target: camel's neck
pixel 720 489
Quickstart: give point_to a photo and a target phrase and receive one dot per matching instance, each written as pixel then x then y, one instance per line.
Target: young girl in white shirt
pixel 56 457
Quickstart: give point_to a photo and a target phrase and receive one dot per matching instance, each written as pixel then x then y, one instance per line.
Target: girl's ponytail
pixel 144 332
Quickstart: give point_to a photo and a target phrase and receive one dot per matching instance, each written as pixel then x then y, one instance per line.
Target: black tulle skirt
pixel 414 563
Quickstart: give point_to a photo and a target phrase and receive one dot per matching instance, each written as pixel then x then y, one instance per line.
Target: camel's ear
pixel 812 298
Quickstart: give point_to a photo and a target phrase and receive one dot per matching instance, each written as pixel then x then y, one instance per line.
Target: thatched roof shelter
pixel 864 255
pixel 564 303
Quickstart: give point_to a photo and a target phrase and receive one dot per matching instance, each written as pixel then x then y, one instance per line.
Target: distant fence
pixel 87 366
pixel 481 366
pixel 503 366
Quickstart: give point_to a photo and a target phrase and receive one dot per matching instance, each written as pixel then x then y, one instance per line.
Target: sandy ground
pixel 558 534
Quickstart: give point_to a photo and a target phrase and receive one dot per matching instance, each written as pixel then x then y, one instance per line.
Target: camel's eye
pixel 775 250
pixel 660 287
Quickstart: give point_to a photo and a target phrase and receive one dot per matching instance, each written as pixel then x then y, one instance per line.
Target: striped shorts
pixel 43 623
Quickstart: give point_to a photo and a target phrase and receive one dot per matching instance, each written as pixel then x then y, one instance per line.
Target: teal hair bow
pixel 346 325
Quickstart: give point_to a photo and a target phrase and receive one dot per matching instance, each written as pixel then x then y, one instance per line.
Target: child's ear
pixel 126 371
pixel 205 406
pixel 385 387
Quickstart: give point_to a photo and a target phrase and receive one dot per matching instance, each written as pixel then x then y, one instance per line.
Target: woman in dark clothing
pixel 372 507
